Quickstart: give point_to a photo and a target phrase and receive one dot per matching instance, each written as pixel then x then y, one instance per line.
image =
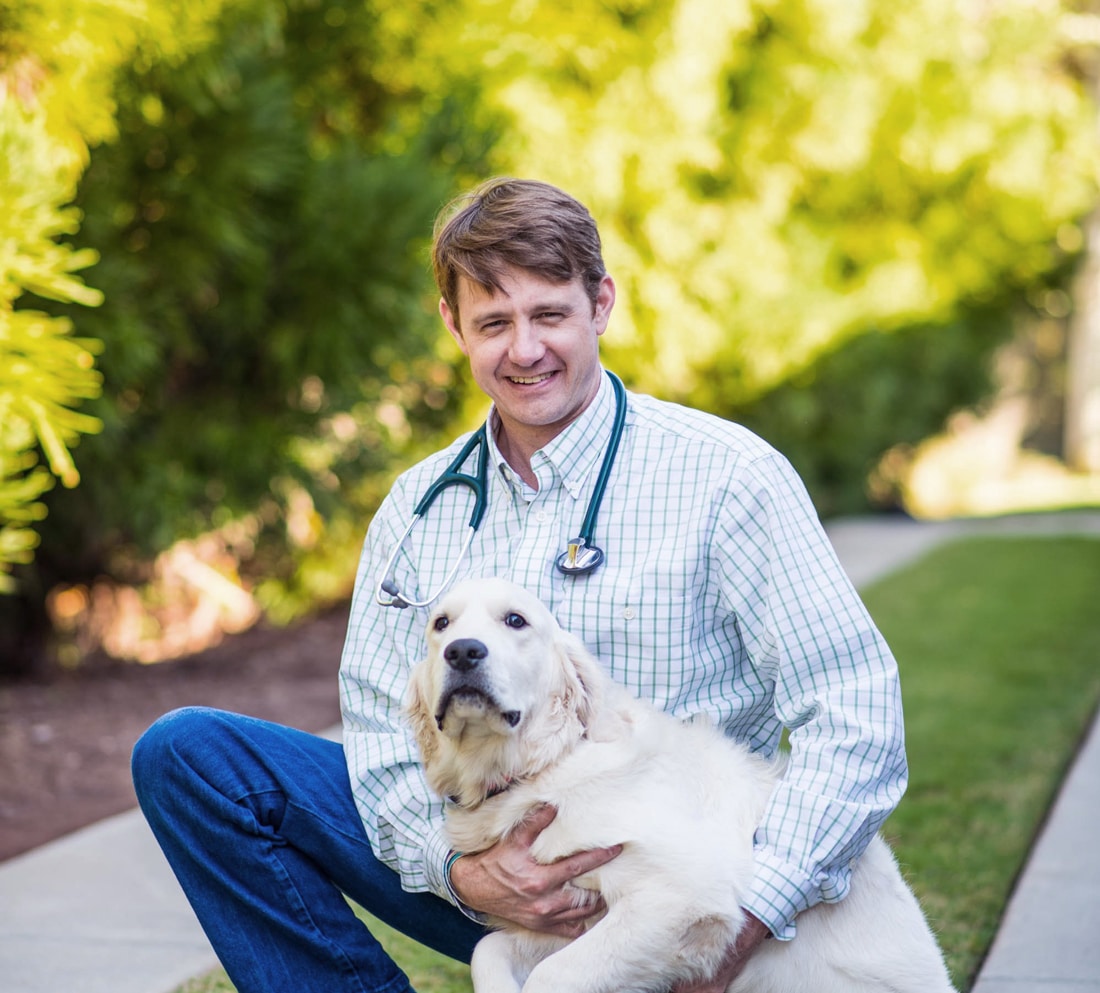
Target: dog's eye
pixel 441 622
pixel 514 620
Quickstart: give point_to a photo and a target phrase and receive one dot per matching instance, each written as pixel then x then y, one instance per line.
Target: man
pixel 719 594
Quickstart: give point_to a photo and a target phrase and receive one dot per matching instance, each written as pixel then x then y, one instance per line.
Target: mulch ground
pixel 66 737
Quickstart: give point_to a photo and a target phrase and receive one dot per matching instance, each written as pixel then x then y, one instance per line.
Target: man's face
pixel 533 348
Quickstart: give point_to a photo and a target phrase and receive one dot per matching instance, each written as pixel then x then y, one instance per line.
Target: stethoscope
pixel 581 556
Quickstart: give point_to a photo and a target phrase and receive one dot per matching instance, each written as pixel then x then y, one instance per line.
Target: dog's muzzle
pixel 466 680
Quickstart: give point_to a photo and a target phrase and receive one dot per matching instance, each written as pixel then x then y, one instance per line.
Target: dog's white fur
pixel 534 720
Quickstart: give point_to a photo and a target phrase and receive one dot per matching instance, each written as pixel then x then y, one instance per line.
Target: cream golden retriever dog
pixel 511 712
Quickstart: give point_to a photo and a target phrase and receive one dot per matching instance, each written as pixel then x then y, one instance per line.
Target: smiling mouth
pixel 530 380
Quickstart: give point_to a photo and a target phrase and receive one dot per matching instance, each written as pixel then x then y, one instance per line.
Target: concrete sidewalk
pixel 100 912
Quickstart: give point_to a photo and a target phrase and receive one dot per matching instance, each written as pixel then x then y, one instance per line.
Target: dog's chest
pixel 656 784
pixel 603 796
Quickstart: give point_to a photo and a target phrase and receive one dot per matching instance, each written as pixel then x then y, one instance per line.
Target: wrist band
pixel 467 911
pixel 449 864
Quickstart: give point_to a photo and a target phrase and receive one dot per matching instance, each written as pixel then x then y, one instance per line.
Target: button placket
pixel 539 536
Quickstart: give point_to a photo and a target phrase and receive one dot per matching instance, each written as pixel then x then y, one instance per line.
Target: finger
pixel 534 824
pixel 575 930
pixel 568 929
pixel 579 863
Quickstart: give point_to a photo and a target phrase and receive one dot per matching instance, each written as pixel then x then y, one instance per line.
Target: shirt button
pixel 541 517
pixel 628 614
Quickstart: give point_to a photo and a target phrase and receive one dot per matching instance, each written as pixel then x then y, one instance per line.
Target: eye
pixel 514 620
pixel 441 622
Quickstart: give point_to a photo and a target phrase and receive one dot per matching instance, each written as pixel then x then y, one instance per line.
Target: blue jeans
pixel 260 828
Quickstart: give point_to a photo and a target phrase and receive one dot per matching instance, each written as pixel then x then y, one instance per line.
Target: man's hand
pixel 507 882
pixel 748 939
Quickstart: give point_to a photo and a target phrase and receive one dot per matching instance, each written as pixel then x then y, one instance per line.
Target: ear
pixel 418 711
pixel 584 678
pixel 605 301
pixel 450 319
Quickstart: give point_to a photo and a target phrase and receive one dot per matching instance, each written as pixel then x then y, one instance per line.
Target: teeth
pixel 528 380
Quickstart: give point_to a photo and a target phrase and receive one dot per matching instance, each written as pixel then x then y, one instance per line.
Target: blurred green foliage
pixel 773 177
pixel 257 268
pixel 776 181
pixel 837 417
pixel 268 350
pixel 822 217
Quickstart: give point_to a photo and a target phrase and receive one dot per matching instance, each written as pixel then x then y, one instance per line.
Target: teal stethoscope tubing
pixel 582 554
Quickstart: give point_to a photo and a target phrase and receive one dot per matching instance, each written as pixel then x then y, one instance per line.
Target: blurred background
pixel 865 229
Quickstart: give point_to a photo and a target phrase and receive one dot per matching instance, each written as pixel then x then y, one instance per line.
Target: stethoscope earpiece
pixel 390 587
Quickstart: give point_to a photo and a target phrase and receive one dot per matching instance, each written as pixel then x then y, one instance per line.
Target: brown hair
pixel 508 223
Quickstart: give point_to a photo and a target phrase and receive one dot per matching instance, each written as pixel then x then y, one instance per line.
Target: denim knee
pixel 159 749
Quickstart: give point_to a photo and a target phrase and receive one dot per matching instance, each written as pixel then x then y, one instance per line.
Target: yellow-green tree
pixel 44 370
pixel 57 62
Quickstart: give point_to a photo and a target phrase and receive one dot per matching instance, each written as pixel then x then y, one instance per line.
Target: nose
pixel 525 347
pixel 463 654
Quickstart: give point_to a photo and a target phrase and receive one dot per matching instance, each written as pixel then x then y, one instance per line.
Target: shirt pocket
pixel 638 618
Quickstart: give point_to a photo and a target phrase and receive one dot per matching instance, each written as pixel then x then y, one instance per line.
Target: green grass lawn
pixel 998 641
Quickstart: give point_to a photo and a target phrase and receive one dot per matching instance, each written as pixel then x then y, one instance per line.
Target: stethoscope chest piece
pixel 579 557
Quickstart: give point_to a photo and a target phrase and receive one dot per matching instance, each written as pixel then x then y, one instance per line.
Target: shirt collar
pixel 576 450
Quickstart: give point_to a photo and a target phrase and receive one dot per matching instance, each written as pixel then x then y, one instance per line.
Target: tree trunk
pixel 1082 432
pixel 1082 423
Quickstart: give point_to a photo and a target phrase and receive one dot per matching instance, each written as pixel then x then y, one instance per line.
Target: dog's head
pixel 503 689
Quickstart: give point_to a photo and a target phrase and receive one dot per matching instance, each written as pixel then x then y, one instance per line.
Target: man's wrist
pixel 448 880
pixel 754 930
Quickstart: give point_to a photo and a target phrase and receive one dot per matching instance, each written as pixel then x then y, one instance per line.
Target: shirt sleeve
pixel 403 819
pixel 836 689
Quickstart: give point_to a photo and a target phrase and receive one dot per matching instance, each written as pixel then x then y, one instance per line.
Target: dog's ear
pixel 585 684
pixel 418 711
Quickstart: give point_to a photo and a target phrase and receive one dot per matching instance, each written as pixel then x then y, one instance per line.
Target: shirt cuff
pixel 437 855
pixel 436 852
pixel 780 892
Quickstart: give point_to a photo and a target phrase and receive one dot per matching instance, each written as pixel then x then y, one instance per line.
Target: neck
pixel 516 454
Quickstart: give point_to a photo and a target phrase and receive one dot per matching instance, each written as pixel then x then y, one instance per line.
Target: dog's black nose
pixel 464 654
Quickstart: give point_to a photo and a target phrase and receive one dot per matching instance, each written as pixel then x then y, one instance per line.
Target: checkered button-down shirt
pixel 720 594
